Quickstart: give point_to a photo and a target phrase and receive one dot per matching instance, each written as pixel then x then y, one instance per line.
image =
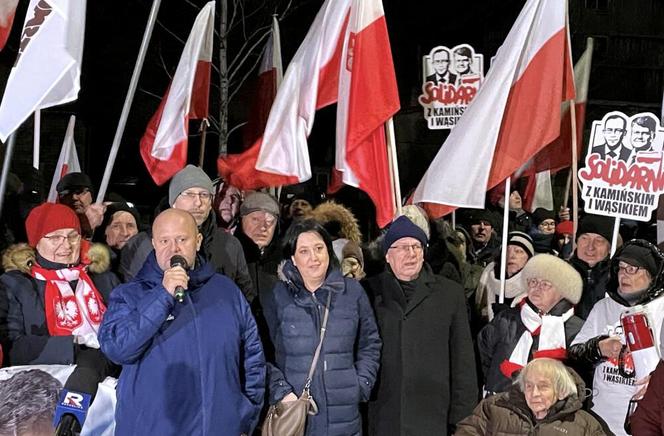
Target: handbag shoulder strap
pixel 323 328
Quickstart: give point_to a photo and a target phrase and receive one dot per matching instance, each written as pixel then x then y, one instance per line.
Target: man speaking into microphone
pixel 191 367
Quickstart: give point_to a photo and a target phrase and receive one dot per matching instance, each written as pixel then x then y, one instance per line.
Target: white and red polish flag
pixel 67 162
pixel 514 115
pixel 280 156
pixel 558 154
pixel 48 65
pixel 368 97
pixel 7 12
pixel 270 76
pixel 164 143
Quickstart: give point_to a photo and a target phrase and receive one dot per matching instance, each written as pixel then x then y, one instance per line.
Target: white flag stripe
pixel 582 73
pixel 47 72
pixel 459 178
pixel 284 144
pixel 68 157
pixel 172 128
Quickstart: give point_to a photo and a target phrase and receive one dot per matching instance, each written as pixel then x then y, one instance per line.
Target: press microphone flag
pixel 70 412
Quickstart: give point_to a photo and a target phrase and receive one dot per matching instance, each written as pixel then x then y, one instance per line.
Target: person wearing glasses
pixel 191 190
pixel 440 61
pixel 51 301
pixel 543 230
pixel 542 325
pixel 641 134
pixel 427 379
pixel 635 278
pixel 614 129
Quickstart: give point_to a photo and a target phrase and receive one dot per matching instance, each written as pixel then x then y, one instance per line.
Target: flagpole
pixel 9 150
pixel 575 170
pixel 128 100
pixel 394 165
pixel 614 238
pixel 567 187
pixel 36 139
pixel 503 249
pixel 201 156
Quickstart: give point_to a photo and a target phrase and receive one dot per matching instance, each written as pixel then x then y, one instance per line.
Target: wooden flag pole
pixel 503 249
pixel 575 171
pixel 36 140
pixel 201 155
pixel 6 164
pixel 394 164
pixel 128 100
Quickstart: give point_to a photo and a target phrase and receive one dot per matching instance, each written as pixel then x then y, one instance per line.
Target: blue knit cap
pixel 403 227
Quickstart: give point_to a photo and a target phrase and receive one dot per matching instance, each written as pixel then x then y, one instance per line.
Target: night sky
pixel 113 35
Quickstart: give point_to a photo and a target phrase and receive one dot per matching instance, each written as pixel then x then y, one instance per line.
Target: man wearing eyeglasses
pixel 641 134
pixel 614 130
pixel 427 380
pixel 440 60
pixel 191 190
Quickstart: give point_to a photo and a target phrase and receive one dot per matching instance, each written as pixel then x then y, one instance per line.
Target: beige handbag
pixel 289 419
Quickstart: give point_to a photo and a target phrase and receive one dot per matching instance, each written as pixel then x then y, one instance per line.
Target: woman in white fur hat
pixel 542 325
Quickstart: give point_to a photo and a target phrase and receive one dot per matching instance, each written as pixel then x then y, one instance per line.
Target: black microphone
pixel 79 392
pixel 180 261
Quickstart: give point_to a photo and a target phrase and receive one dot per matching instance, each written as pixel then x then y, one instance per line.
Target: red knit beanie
pixel 47 218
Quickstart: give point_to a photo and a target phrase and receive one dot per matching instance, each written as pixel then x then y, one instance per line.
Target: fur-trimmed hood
pixel 329 213
pixel 21 257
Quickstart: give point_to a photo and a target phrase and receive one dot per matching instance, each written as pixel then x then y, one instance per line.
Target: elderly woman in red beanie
pixel 51 301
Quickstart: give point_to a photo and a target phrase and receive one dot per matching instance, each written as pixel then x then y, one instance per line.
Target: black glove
pixel 499 307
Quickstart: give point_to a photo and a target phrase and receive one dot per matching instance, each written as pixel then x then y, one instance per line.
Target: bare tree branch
pixel 234 67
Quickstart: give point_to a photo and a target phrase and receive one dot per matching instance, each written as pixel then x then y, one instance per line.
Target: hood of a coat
pixel 152 273
pixel 344 221
pixel 289 274
pixel 21 257
pixel 656 287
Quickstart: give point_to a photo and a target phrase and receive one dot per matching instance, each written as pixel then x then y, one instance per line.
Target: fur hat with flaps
pixel 555 270
pixel 338 220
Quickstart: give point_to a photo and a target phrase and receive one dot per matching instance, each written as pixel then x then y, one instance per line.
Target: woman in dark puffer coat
pixel 545 400
pixel 294 309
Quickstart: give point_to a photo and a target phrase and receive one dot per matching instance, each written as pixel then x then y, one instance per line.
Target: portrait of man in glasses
pixel 613 130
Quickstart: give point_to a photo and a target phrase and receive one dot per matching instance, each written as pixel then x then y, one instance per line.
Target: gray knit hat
pixel 188 177
pixel 555 270
pixel 259 201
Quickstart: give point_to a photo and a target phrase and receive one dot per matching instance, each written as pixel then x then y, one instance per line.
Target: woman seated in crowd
pixel 310 282
pixel 542 325
pixel 546 399
pixel 635 278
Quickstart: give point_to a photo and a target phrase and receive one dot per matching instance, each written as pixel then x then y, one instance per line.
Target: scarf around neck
pixel 70 311
pixel 551 332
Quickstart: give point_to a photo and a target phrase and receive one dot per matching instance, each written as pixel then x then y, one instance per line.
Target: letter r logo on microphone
pixel 72 399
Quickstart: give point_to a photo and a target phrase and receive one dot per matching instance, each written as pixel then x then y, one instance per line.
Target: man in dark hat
pixel 75 191
pixel 591 259
pixel 427 346
pixel 480 224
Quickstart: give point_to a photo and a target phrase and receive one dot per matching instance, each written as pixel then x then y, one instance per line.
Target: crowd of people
pixel 226 301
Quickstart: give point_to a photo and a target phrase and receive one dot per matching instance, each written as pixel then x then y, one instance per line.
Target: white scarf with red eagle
pixel 70 312
pixel 551 332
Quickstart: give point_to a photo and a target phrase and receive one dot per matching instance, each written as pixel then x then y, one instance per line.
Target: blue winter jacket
pixel 195 368
pixel 349 358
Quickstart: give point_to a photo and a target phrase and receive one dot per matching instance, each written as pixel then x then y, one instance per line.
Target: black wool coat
pixel 427 380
